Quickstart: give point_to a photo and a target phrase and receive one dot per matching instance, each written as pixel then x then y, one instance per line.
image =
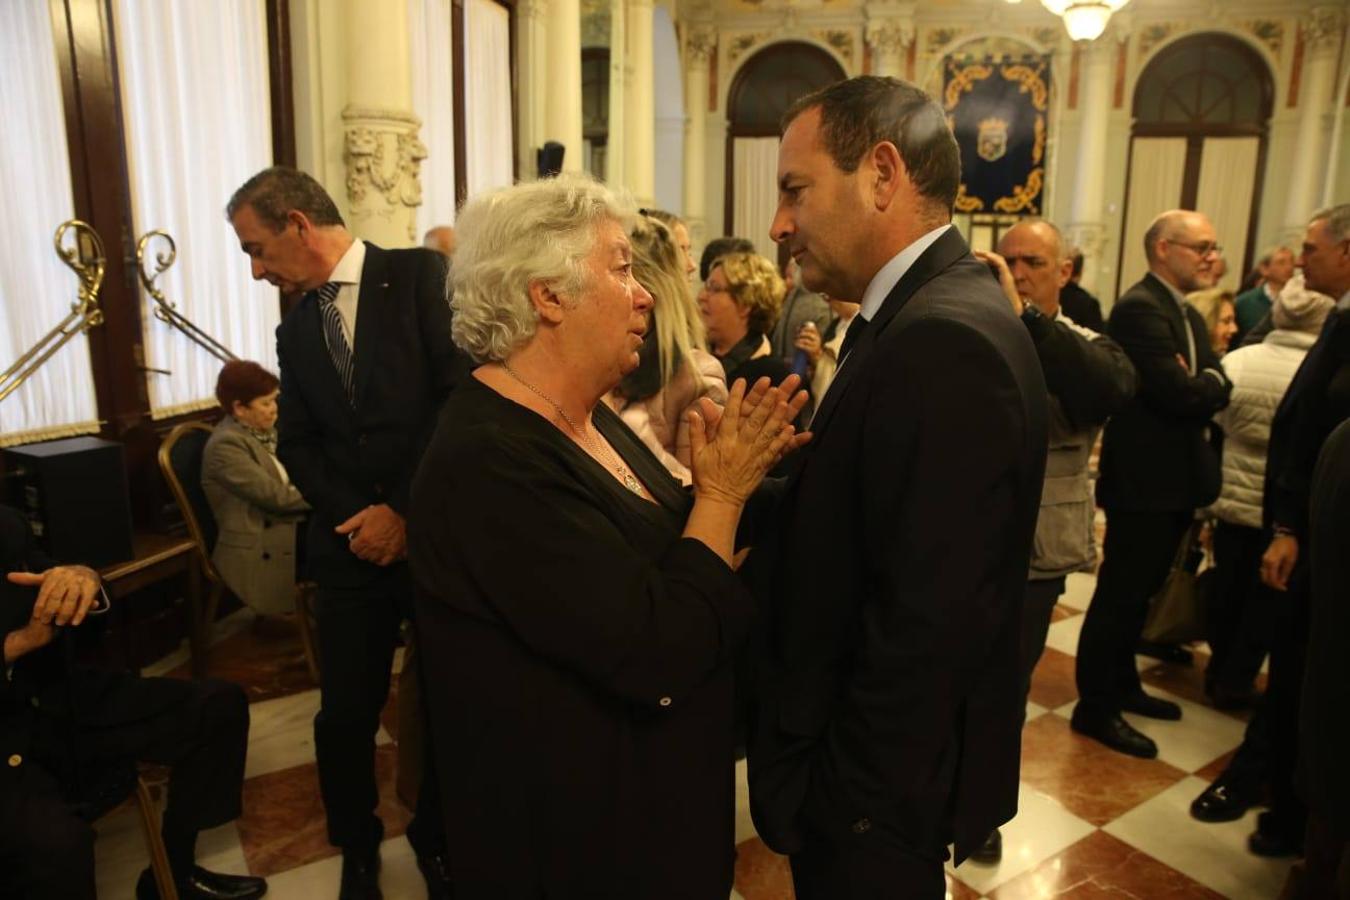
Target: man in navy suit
pixel 366 360
pixel 888 707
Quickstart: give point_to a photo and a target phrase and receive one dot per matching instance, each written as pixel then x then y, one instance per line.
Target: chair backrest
pixel 180 459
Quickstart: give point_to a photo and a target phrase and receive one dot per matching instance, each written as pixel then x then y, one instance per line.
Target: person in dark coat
pixel 890 573
pixel 365 361
pixel 1157 467
pixel 577 606
pixel 68 733
pixel 1080 306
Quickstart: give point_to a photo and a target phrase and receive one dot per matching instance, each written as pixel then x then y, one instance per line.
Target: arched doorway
pixel 764 88
pixel 1201 115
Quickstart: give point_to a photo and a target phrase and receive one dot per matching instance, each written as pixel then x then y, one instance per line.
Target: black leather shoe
pixel 1116 733
pixel 991 851
pixel 360 876
pixel 435 871
pixel 203 885
pixel 1168 653
pixel 1221 802
pixel 1273 840
pixel 1153 707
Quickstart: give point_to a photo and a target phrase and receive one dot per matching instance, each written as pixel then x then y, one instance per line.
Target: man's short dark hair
pixel 1076 257
pixel 859 113
pixel 718 248
pixel 276 191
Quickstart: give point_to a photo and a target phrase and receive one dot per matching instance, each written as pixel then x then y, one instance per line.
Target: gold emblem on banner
pixel 992 143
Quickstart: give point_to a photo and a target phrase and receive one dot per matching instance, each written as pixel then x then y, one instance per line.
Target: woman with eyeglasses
pixel 739 304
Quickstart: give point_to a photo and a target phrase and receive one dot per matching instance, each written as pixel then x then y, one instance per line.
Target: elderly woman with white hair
pixel 576 605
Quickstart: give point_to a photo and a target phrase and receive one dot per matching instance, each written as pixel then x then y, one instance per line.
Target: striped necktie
pixel 336 339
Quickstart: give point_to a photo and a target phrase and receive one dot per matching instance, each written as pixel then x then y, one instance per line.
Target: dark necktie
pixel 855 330
pixel 338 348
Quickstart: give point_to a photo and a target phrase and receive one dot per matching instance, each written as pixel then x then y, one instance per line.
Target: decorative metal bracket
pixel 165 311
pixel 89 262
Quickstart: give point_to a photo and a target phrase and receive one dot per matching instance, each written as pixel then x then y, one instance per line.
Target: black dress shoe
pixel 1168 653
pixel 1116 733
pixel 203 885
pixel 435 871
pixel 991 851
pixel 1153 707
pixel 1222 801
pixel 360 876
pixel 1273 839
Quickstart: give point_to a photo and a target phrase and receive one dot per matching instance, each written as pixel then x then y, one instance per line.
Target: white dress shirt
pixel 348 274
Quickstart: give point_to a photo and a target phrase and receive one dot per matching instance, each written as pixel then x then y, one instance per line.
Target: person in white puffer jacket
pixel 1239 604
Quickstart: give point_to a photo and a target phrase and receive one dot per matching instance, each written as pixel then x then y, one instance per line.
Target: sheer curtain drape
pixel 755 183
pixel 433 87
pixel 1227 182
pixel 489 144
pixel 36 288
pixel 1156 171
pixel 198 123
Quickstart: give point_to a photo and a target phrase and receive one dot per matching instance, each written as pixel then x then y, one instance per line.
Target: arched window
pixel 1201 114
pixel 769 82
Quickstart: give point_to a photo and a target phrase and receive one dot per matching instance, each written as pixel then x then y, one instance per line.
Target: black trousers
pixel 1240 608
pixel 1038 606
pixel 874 865
pixel 198 728
pixel 1137 554
pixel 358 631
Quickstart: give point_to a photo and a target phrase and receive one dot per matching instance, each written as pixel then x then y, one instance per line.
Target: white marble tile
pixel 745 828
pixel 1041 829
pixel 1214 855
pixel 399 877
pixel 1078 588
pixel 1202 735
pixel 1033 710
pixel 1063 635
pixel 281 733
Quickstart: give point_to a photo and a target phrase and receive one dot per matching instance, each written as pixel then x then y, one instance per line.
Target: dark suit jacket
pixel 891 579
pixel 1155 453
pixel 1082 307
pixel 344 459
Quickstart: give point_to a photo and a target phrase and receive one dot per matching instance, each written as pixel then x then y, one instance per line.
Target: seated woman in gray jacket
pixel 255 505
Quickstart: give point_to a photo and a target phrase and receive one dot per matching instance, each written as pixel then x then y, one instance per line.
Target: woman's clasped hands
pixel 732 448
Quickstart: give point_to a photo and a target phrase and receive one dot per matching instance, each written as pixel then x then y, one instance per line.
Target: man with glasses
pixel 1156 466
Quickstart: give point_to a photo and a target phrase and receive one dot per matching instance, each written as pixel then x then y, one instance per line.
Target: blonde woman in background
pixel 673 370
pixel 739 304
pixel 1216 307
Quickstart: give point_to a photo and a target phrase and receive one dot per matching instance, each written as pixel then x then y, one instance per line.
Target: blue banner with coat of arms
pixel 998 111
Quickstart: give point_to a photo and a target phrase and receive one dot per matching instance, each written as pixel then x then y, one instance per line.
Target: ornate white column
pixel 889 39
pixel 698 49
pixel 1321 39
pixel 532 70
pixel 562 88
pixel 616 157
pixel 639 105
pixel 1087 228
pixel 382 150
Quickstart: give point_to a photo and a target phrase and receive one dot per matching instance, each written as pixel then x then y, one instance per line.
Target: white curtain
pixel 1227 182
pixel 433 87
pixel 755 189
pixel 198 124
pixel 489 144
pixel 1156 171
pixel 36 288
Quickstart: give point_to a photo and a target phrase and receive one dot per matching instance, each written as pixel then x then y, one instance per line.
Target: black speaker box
pixel 74 494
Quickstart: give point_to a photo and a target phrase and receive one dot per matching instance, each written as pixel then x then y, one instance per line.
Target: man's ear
pixel 1065 272
pixel 547 302
pixel 303 227
pixel 888 173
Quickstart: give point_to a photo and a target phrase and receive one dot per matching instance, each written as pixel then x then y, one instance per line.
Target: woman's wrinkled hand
pixel 732 450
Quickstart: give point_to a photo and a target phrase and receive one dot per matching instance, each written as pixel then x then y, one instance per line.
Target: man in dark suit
pixel 366 360
pixel 1156 467
pixel 887 706
pixel 67 734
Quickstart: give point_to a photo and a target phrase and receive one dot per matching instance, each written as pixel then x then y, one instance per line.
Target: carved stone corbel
pixel 384 160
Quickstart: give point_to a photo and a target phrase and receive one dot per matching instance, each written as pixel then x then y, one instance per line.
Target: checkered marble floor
pixel 1091 823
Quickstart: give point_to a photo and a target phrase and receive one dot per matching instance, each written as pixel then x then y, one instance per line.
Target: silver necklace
pixel 629 480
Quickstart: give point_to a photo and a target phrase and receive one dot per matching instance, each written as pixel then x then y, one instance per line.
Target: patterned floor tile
pixel 762 874
pixel 283 824
pixel 1078 588
pixel 1087 779
pixel 1052 683
pixel 265 659
pixel 1202 735
pixel 1214 855
pixel 1214 769
pixel 1102 866
pixel 1041 829
pixel 399 877
pixel 281 733
pixel 1063 635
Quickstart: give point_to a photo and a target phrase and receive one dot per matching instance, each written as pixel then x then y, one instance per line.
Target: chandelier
pixel 1085 20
